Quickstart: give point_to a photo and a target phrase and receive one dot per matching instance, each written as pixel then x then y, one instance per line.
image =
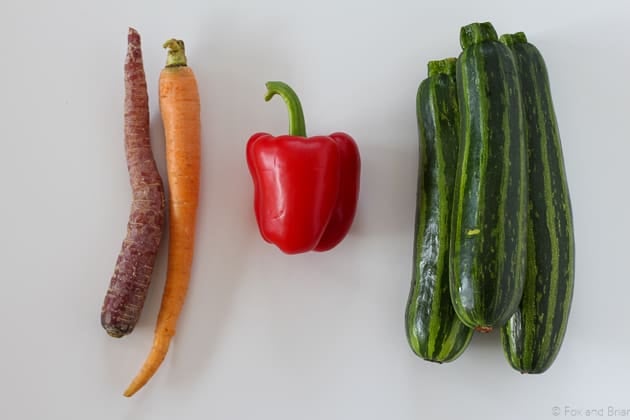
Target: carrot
pixel 132 275
pixel 179 106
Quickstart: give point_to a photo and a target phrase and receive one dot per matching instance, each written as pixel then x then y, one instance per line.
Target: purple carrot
pixel 132 275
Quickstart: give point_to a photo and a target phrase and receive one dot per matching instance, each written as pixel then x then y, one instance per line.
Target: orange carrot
pixel 179 106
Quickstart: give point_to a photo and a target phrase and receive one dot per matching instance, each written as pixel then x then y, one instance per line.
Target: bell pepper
pixel 305 188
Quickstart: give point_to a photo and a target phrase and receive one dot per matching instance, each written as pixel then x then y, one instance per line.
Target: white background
pixel 264 335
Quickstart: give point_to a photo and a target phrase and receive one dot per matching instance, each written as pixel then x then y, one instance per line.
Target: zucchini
pixel 434 332
pixel 532 337
pixel 489 216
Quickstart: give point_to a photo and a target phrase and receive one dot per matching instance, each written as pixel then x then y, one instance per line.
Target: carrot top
pixel 176 56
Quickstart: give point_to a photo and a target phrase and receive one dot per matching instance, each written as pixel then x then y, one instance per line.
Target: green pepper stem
pixel 297 126
pixel 176 53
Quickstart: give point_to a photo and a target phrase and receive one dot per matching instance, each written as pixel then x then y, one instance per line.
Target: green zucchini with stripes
pixel 532 337
pixel 489 217
pixel 434 332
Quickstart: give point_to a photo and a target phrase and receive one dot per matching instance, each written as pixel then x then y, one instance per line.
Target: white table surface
pixel 264 335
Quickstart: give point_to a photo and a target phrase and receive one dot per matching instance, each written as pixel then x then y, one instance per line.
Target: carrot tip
pixel 151 364
pixel 134 387
pixel 133 35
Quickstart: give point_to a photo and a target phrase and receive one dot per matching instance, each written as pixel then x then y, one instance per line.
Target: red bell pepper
pixel 305 188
